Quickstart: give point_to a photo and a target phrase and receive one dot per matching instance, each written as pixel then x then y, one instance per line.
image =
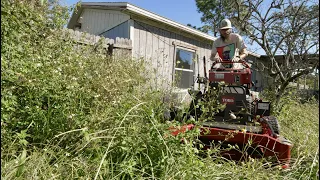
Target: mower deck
pixel 263 145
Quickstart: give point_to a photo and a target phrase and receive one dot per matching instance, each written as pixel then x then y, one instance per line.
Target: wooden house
pixel 174 50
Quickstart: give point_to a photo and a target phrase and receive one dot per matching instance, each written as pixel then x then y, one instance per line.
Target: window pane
pixel 184 59
pixel 183 79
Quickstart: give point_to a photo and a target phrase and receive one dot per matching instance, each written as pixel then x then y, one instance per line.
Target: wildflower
pixel 71 116
pixel 243 130
pixel 74 78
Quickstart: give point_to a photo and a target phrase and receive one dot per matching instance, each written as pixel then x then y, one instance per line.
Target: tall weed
pixel 70 112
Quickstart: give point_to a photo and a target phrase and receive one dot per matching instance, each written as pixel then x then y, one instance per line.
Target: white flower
pixel 71 116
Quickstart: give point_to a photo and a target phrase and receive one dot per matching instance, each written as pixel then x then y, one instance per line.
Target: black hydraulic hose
pixel 205 69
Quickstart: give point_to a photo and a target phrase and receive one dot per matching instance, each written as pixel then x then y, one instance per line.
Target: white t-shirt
pixel 228 49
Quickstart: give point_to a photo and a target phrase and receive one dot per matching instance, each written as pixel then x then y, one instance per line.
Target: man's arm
pixel 243 53
pixel 213 52
pixel 214 55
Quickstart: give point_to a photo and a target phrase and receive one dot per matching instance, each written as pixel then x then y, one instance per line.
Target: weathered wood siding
pixel 158 47
pixel 121 30
pixel 96 21
pixel 121 47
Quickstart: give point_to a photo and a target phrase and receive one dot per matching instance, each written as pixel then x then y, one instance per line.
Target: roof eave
pixel 254 54
pixel 134 9
pixel 101 5
pixel 161 19
pixel 74 17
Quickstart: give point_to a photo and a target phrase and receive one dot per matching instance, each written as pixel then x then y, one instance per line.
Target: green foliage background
pixel 50 84
pixel 70 112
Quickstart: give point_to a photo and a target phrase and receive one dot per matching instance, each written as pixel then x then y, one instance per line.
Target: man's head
pixel 225 28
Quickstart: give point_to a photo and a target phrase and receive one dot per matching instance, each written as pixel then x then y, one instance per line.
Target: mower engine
pixel 236 91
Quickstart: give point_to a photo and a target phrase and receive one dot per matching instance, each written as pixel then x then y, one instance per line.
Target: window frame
pixel 192 50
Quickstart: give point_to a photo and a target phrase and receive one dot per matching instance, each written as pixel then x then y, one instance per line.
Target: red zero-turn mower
pixel 244 120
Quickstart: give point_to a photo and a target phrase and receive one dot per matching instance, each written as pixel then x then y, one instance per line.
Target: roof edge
pixel 159 18
pixel 134 9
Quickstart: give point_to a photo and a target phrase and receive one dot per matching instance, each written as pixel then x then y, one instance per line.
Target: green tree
pixel 280 27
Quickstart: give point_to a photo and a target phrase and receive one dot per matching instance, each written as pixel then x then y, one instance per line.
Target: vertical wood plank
pixel 92 22
pixel 149 47
pixel 173 37
pixel 136 47
pixel 166 60
pixel 155 54
pixel 160 62
pixel 142 42
pixel 98 23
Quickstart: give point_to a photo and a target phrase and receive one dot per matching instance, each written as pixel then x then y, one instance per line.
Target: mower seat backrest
pixel 235 98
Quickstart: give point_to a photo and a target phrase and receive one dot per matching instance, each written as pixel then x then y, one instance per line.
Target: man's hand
pixel 217 59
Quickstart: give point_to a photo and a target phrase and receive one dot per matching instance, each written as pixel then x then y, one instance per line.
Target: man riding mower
pixel 243 119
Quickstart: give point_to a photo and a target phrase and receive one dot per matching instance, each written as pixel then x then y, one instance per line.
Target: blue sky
pixel 182 11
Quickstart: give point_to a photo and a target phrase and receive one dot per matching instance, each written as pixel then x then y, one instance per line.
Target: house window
pixel 184 68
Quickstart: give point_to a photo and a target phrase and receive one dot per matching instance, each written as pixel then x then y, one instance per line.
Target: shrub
pixel 48 85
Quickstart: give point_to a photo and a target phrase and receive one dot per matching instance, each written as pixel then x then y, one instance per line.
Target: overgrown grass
pixel 300 124
pixel 139 148
pixel 73 113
